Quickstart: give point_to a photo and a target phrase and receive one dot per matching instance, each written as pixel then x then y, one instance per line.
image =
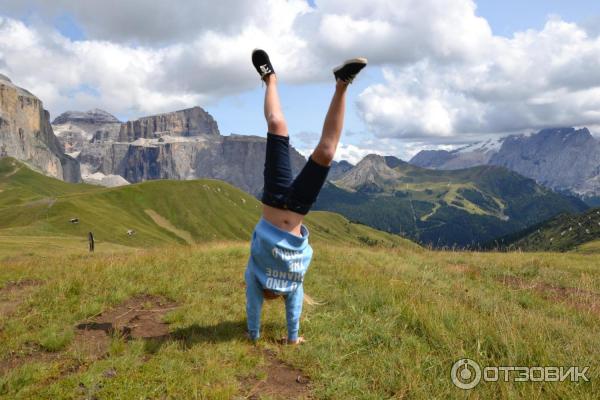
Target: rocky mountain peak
pixel 394 162
pixel 193 121
pixel 5 78
pixel 94 116
pixel 338 168
pixel 432 159
pixel 75 129
pixel 372 158
pixel 556 131
pixel 372 171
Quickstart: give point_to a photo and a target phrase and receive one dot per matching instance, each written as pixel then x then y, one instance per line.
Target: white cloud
pixel 348 152
pixel 58 71
pixel 134 80
pixel 149 23
pixel 446 77
pixel 405 31
pixel 141 57
pixel 353 154
pixel 534 80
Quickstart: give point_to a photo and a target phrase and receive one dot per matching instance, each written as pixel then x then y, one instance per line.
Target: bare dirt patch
pixel 579 298
pixel 137 318
pixel 14 293
pixel 29 354
pixel 140 317
pixel 282 381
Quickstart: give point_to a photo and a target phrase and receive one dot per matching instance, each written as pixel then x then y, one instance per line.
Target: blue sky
pixel 450 82
pixel 509 16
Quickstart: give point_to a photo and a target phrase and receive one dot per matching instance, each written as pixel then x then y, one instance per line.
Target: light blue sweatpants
pixel 254 302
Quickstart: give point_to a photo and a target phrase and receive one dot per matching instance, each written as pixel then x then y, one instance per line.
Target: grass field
pixel 153 316
pixel 391 323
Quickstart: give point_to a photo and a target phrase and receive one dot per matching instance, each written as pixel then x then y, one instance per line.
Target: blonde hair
pixel 269 295
pixel 310 301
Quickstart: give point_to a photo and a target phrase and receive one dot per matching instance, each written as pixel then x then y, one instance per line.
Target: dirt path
pixel 40 202
pixel 282 381
pixel 166 224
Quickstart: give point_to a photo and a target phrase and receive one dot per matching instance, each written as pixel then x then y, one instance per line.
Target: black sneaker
pixel 260 60
pixel 349 69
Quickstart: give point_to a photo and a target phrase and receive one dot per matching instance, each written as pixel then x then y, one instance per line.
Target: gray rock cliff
pixel 183 144
pixel 373 170
pixel 26 134
pixel 75 129
pixel 189 122
pixel 561 159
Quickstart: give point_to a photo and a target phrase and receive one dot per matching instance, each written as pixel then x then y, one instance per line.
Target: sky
pixel 441 73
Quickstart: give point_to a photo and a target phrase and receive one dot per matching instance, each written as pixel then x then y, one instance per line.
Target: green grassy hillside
pixel 562 233
pixel 159 212
pixel 465 207
pixel 21 185
pixel 390 325
pixel 161 314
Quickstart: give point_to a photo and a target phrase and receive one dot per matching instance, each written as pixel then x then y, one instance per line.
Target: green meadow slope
pixel 158 212
pixel 565 232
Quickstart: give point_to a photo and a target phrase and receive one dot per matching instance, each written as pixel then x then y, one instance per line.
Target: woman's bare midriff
pixel 286 220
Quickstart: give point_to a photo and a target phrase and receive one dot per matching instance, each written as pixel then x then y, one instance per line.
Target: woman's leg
pixel 310 180
pixel 293 310
pixel 308 183
pixel 254 302
pixel 278 170
pixel 332 127
pixel 273 113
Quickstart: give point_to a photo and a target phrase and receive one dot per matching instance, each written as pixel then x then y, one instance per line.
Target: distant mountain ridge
pixel 563 159
pixel 463 208
pixel 184 144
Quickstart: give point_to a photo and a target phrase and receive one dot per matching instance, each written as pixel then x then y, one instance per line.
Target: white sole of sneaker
pixel 358 60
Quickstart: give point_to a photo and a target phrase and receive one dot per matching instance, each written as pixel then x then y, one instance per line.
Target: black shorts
pixel 281 190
